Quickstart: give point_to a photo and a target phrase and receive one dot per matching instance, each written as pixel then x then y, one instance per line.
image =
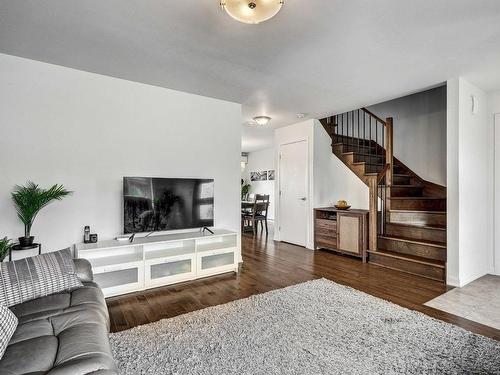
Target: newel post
pixel 373 204
pixel 389 150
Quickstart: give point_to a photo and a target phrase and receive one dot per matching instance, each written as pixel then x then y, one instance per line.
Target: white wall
pixel 419 131
pixel 262 160
pixel 332 179
pixel 494 115
pixel 87 131
pixel 470 156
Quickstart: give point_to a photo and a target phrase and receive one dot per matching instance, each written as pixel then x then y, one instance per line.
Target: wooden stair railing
pixel 367 134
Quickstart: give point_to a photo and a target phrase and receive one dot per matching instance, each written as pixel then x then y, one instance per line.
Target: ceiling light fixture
pixel 262 120
pixel 252 11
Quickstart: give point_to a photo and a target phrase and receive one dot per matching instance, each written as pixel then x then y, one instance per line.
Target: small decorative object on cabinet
pixel 86 234
pixel 345 231
pixel 342 205
pixel 148 262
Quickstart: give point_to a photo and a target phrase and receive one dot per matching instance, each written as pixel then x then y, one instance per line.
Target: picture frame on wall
pixel 271 175
pixel 258 176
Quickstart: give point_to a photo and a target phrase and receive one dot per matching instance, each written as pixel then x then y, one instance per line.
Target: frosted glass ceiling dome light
pixel 252 11
pixel 262 120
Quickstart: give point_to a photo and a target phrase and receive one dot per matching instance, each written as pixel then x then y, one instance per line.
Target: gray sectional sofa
pixel 62 334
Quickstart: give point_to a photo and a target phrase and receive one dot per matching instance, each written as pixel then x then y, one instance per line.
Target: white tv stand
pixel 122 267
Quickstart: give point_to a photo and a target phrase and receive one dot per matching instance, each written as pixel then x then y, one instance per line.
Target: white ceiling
pixel 315 56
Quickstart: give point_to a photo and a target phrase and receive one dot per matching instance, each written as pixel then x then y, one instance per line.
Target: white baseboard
pixel 453 281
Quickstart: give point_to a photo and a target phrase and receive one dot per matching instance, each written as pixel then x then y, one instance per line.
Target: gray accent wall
pixel 419 131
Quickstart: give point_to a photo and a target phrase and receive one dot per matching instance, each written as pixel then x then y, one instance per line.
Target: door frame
pixel 496 194
pixel 309 206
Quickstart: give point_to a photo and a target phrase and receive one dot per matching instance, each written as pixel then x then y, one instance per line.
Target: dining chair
pixel 258 213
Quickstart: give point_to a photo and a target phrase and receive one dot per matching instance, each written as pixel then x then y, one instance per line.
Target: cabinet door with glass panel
pixel 163 271
pixel 117 270
pixel 216 255
pixel 120 278
pixel 216 261
pixel 169 262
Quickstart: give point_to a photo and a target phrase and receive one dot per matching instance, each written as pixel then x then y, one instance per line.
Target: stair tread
pixel 361 153
pixel 420 212
pixel 368 163
pixel 394 175
pixel 418 225
pixel 412 240
pixel 417 198
pixel 411 258
pixel 406 186
pixel 352 145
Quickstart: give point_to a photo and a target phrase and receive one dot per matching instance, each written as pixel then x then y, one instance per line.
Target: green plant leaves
pixel 30 199
pixel 5 246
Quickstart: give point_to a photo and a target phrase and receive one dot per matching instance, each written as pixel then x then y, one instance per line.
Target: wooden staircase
pixel 408 228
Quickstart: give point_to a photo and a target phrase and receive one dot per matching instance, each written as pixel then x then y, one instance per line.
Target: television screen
pixel 158 204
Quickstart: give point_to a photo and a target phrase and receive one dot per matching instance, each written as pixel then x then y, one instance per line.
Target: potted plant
pixel 5 246
pixel 29 200
pixel 245 189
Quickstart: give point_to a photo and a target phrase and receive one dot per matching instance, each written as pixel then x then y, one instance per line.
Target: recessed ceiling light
pixel 262 120
pixel 301 115
pixel 252 11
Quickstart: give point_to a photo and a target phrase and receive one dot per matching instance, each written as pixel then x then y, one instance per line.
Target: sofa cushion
pixel 30 356
pixel 42 275
pixel 73 329
pixel 79 299
pixel 8 324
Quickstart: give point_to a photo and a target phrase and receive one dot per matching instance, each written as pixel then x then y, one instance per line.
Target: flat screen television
pixel 161 204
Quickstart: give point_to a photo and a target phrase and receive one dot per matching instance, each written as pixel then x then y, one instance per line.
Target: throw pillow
pixel 39 276
pixel 8 324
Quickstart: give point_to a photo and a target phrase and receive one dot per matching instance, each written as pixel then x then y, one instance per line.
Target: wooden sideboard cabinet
pixel 345 231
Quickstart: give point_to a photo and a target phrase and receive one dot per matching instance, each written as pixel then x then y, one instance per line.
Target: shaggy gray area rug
pixel 317 327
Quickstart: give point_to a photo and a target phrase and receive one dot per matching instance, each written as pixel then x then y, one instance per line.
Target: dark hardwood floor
pixel 269 265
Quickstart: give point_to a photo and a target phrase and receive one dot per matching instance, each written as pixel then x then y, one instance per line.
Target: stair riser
pixel 409 248
pixel 416 217
pixel 406 192
pixel 424 270
pixel 368 158
pixel 401 180
pixel 370 168
pixel 361 149
pixel 418 204
pixel 351 142
pixel 419 234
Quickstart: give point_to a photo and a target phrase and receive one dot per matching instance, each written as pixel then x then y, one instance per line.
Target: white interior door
pixel 497 194
pixel 293 193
